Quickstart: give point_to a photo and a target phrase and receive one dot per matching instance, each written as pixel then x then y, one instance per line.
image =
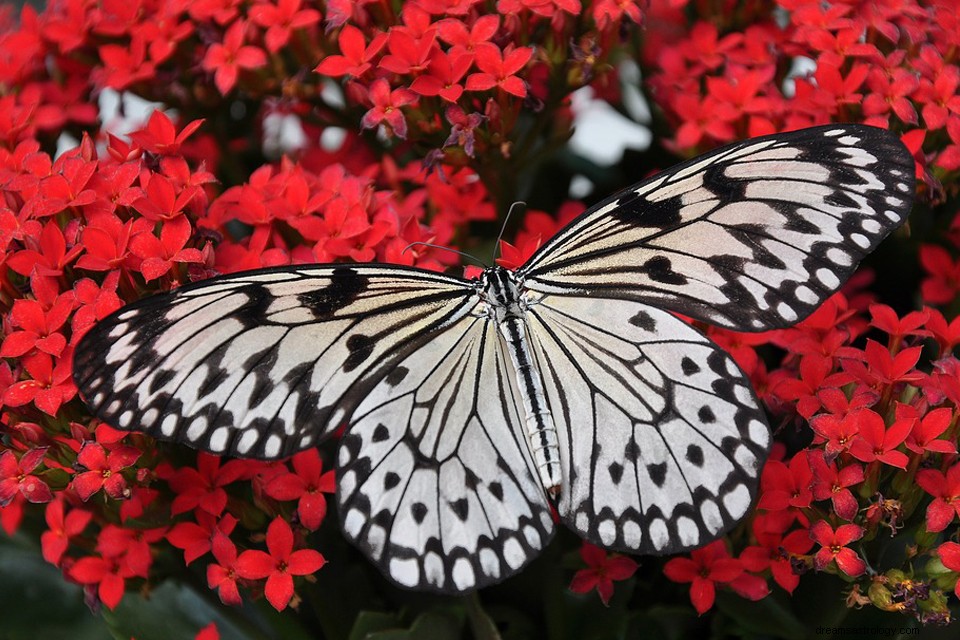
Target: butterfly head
pixel 502 292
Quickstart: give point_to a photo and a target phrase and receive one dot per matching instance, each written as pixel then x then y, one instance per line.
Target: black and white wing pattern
pixel 751 236
pixel 263 363
pixel 436 483
pixel 660 436
pixel 472 407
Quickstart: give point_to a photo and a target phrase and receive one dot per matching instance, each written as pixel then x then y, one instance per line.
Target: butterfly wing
pixel 660 435
pixel 263 363
pixel 751 236
pixel 435 481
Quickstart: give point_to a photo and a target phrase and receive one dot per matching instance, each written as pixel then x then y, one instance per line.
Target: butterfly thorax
pixel 506 307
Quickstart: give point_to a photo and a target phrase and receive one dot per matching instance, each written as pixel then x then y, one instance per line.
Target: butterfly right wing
pixel 435 483
pixel 263 363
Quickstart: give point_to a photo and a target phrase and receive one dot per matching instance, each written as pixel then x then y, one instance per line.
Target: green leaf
pixel 432 625
pixel 369 622
pixel 37 602
pixel 174 610
pixel 770 616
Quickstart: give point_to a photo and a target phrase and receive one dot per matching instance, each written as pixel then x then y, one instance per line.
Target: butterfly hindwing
pixel 751 236
pixel 435 481
pixel 263 363
pixel 661 437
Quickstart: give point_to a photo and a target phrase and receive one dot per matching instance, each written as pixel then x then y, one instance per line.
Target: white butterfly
pixel 474 405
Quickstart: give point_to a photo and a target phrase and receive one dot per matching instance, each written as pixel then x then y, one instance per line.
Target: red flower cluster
pixel 418 129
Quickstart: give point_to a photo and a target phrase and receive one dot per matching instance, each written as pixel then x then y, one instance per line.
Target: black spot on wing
pixel 658 473
pixel 345 285
pixel 496 490
pixel 706 415
pixel 695 455
pixel 390 480
pixel 360 348
pixel 616 472
pixel 660 269
pixel 461 508
pixel 644 320
pixel 381 433
pixel 419 512
pixel 396 376
pixel 688 366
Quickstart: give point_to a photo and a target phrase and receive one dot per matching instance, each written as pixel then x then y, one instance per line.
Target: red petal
pixel 255 565
pixel 304 562
pixel 702 594
pixel 279 590
pixel 280 538
pixel 681 570
pixel 87 483
pixel 949 553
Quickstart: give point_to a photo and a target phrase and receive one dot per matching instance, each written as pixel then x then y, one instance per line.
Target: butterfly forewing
pixel 436 483
pixel 261 363
pixel 752 236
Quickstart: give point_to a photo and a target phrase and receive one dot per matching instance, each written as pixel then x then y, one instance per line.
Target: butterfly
pixel 474 407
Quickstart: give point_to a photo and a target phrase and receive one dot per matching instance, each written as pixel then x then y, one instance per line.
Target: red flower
pixel 307 485
pixel 60 529
pixel 386 107
pixel 454 32
pixel 444 75
pixel 50 385
pixel 875 441
pixel 202 488
pixel 124 65
pixel 946 334
pixel 108 574
pixel 49 262
pixel 949 554
pixel 834 547
pixel 281 19
pixel 409 53
pixel 832 484
pixel 195 538
pixel 815 374
pixel 926 432
pixel 16 478
pixel 107 240
pixel 499 69
pixel 279 565
pixel 884 318
pixel 357 55
pixel 160 135
pixel 104 470
pixel 223 575
pixel 945 490
pixel 944 281
pixel 784 487
pixel 704 569
pixel 159 255
pixel 877 366
pixel 227 59
pixel 39 328
pixel 776 552
pixel 602 569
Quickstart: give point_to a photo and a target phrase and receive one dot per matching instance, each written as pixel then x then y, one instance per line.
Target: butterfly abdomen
pixel 506 309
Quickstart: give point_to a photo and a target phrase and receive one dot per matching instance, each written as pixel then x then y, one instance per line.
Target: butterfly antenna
pixel 519 204
pixel 443 248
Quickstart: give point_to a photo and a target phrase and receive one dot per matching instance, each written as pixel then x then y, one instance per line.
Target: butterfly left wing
pixel 751 236
pixel 435 480
pixel 661 438
pixel 261 363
